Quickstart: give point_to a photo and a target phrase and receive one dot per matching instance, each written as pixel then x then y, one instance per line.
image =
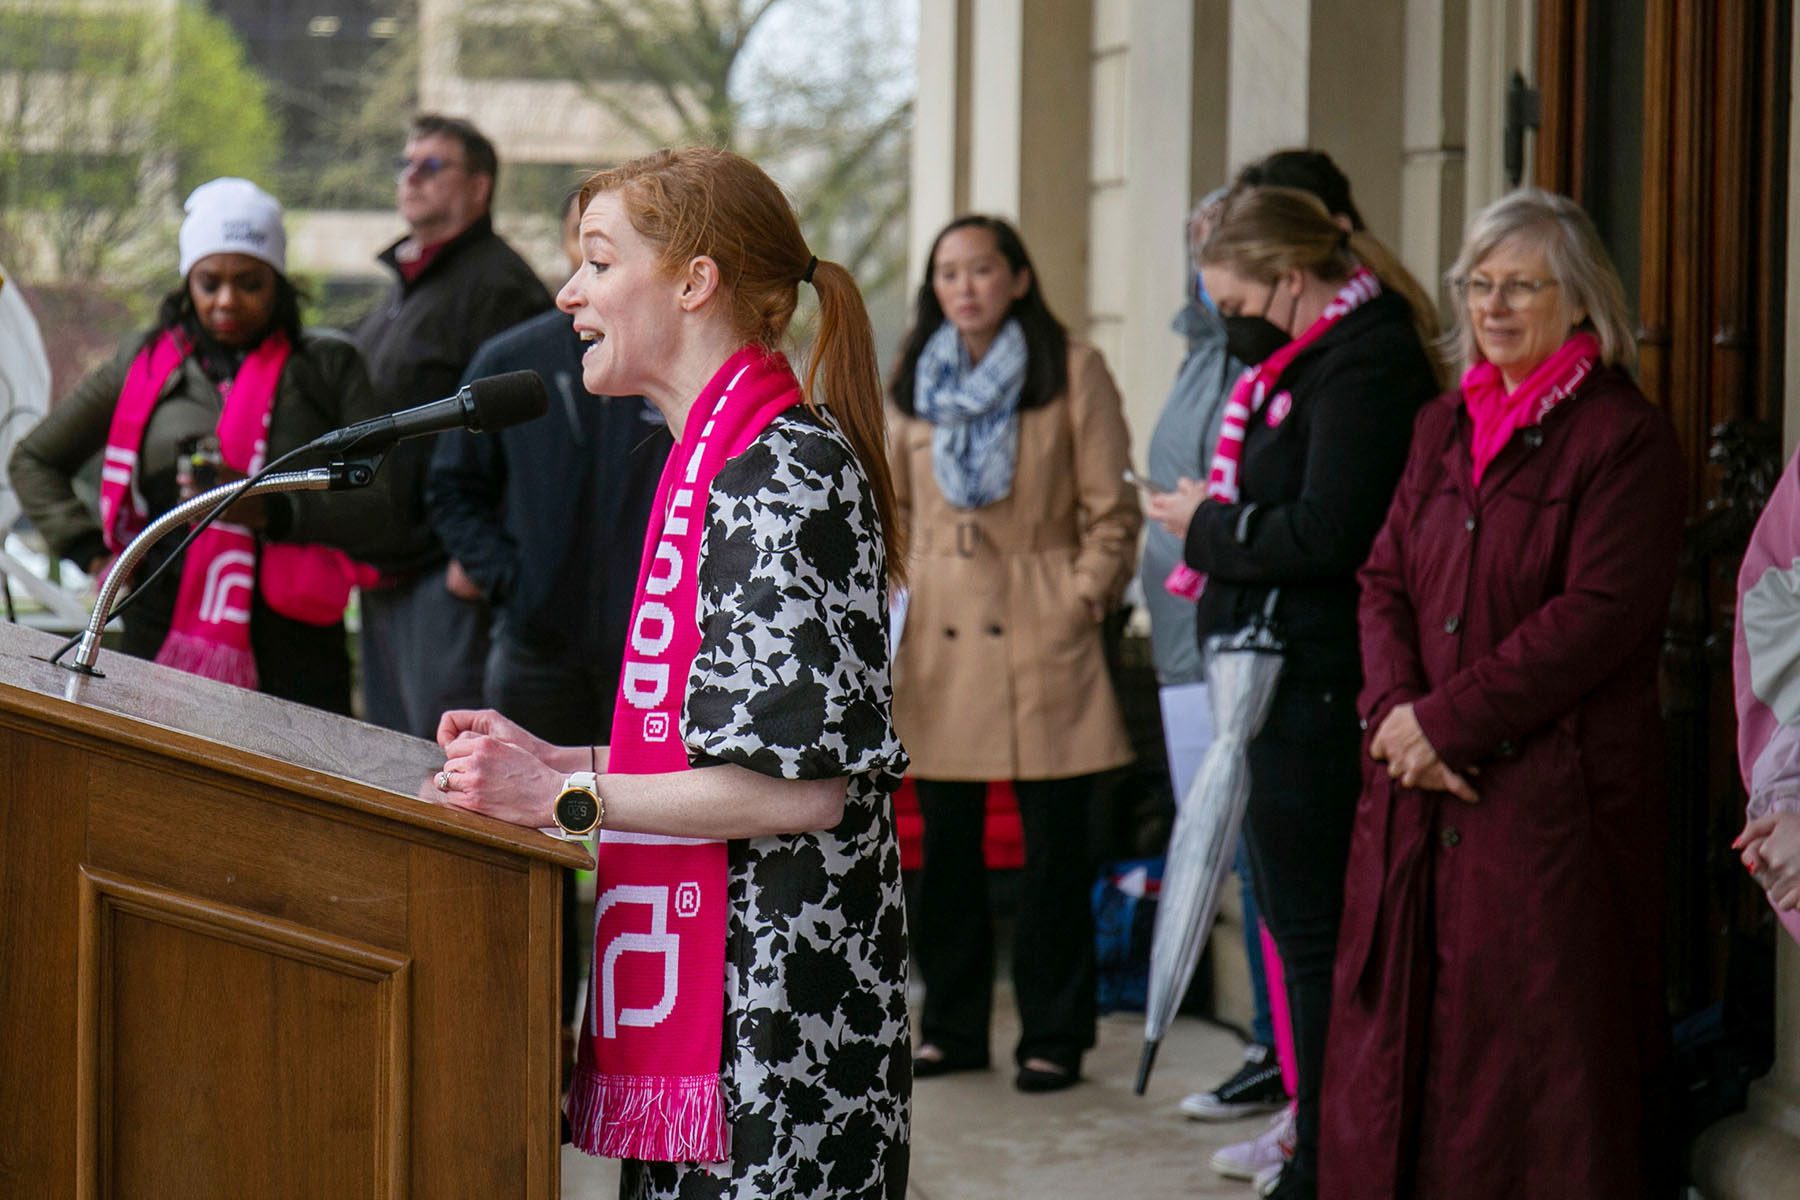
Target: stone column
pixel 1501 41
pixel 1756 1155
pixel 1029 133
pixel 1354 100
pixel 1141 192
pixel 1209 99
pixel 940 143
pixel 1270 51
pixel 1327 75
pixel 1432 187
pixel 1001 127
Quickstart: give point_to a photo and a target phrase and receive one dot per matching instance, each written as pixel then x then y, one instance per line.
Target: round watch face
pixel 577 810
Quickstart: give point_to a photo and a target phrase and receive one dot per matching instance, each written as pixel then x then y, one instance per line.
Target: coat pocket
pixel 1544 779
pixel 1536 529
pixel 1068 621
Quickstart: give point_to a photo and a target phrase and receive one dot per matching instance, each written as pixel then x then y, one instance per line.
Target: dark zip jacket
pixel 417 343
pixel 548 517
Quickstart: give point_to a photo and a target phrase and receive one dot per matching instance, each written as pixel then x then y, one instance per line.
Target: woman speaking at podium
pixel 746 1031
pixel 223 379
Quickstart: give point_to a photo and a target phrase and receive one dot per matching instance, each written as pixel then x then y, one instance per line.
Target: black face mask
pixel 1251 340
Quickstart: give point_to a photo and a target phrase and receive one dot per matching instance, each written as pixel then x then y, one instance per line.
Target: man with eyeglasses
pixel 424 628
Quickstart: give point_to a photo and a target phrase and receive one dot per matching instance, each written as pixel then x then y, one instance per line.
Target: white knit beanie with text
pixel 232 216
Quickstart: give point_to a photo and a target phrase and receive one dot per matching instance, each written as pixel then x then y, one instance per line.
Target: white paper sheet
pixel 1187 731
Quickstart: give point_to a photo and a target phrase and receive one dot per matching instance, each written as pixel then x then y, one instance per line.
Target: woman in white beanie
pixel 223 380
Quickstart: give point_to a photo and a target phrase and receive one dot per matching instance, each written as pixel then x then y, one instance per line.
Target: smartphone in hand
pixel 1144 484
pixel 197 463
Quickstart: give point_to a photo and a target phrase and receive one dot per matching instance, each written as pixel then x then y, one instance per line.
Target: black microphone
pixel 482 407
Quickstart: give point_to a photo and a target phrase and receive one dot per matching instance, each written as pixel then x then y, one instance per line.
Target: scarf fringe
pixel 654 1118
pixel 208 659
pixel 1184 583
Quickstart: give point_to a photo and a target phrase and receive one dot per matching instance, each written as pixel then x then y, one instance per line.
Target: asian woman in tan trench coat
pixel 1000 672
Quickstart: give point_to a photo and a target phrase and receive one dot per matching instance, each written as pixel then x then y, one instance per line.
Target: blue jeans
pixel 1262 1025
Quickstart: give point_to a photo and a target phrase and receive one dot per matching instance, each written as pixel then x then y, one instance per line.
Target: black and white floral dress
pixel 791 680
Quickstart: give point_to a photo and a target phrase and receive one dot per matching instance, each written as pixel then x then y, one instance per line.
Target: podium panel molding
pixel 136 940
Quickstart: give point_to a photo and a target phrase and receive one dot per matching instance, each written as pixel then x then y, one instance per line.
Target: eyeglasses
pixel 1514 293
pixel 425 167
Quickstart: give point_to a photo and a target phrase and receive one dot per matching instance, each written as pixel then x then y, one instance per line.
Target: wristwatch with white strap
pixel 579 809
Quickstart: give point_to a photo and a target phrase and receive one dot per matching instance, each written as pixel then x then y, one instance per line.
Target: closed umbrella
pixel 1241 671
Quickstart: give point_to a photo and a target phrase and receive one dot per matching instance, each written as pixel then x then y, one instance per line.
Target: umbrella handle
pixel 1258 633
pixel 1145 1061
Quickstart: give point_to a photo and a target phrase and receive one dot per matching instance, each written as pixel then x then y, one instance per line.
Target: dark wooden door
pixel 1695 98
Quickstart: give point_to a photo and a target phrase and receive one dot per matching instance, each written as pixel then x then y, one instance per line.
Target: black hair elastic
pixel 812 260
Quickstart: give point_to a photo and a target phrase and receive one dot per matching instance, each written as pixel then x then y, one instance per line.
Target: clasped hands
pixel 493 766
pixel 1770 849
pixel 1399 741
pixel 1411 760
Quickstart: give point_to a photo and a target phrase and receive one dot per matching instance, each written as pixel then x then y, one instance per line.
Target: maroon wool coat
pixel 1497 1005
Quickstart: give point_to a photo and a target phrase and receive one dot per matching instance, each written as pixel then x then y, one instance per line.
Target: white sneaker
pixel 1268 1179
pixel 1270 1148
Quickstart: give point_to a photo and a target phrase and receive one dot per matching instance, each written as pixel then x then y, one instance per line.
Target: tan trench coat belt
pixel 971 539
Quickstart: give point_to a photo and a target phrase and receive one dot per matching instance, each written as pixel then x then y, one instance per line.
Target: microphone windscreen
pixel 509 399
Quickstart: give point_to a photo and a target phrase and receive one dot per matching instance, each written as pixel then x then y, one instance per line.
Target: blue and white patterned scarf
pixel 974 412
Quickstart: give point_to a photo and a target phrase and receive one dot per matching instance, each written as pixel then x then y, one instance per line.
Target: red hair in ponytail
pixel 696 201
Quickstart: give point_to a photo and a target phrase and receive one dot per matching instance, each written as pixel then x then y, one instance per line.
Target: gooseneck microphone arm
pixel 339 476
pixel 483 406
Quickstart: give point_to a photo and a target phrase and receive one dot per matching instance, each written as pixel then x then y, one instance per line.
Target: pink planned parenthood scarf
pixel 209 634
pixel 1498 414
pixel 647 1077
pixel 1247 399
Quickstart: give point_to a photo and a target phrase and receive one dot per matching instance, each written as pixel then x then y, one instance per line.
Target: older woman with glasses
pixel 1496 1028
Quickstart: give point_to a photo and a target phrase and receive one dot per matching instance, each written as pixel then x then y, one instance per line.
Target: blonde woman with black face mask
pixel 1306 463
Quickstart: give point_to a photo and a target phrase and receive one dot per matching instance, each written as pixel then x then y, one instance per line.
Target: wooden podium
pixel 243 955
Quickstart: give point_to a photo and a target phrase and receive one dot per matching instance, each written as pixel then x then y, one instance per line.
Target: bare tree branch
pixel 753 18
pixel 651 59
pixel 872 249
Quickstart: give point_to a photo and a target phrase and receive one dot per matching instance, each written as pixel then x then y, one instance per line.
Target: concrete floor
pixel 975 1138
